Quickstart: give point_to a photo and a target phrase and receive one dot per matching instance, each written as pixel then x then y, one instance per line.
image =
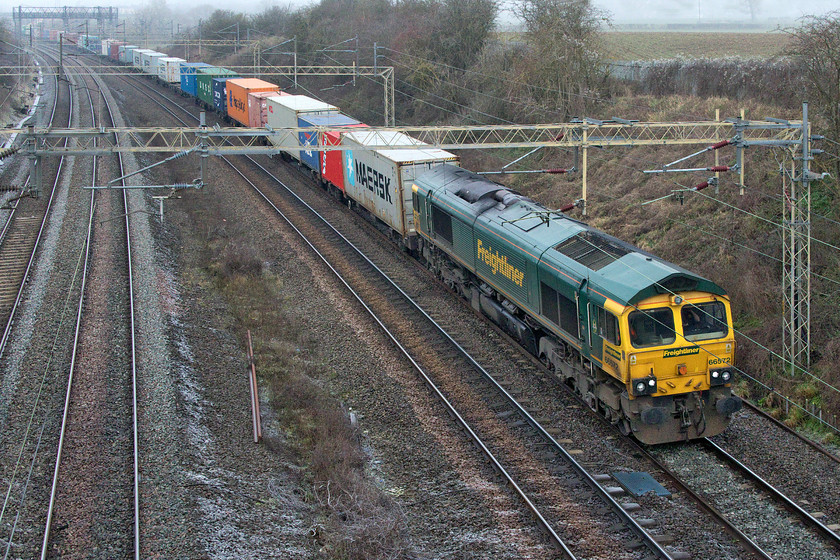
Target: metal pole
pixel 741 163
pixel 199 39
pixel 295 40
pixel 255 395
pixel 585 151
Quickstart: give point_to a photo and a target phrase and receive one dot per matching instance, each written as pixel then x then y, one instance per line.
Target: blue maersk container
pixel 310 158
pixel 188 72
pixel 220 95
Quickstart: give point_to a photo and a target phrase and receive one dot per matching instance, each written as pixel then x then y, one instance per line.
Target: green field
pixel 656 45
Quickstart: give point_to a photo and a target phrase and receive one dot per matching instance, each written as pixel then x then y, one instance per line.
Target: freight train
pixel 644 342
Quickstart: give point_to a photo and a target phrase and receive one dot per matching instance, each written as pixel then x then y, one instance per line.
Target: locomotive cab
pixel 680 358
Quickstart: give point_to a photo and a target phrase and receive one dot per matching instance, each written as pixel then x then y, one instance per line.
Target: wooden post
pixel 255 397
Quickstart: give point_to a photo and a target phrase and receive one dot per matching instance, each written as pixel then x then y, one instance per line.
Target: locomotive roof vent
pixel 506 197
pixel 592 249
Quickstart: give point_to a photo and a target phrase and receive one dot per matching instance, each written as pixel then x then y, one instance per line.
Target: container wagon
pixel 169 69
pixel 285 111
pixel 315 159
pixel 238 90
pixel 379 180
pixel 204 82
pixel 189 71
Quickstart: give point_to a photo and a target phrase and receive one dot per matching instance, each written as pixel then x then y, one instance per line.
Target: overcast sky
pixel 638 11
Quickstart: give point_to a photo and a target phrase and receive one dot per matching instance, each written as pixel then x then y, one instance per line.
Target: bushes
pixel 733 78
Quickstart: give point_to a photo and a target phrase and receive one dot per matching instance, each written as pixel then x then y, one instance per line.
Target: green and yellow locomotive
pixel 645 342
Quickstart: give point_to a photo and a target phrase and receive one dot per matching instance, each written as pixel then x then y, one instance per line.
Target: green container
pixel 204 81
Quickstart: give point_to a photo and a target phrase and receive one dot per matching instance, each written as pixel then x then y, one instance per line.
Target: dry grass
pixel 355 519
pixel 658 45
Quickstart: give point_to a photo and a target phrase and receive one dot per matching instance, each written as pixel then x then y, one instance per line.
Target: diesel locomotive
pixel 646 343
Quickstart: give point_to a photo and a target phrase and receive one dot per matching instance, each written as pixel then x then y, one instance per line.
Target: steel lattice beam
pixel 562 135
pixel 66 13
pixel 796 255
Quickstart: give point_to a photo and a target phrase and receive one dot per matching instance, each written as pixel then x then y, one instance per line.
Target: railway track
pixel 554 520
pixel 89 485
pixel 23 230
pixel 503 409
pixel 99 429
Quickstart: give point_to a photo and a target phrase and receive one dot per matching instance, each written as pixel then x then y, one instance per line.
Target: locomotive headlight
pixel 646 386
pixel 719 377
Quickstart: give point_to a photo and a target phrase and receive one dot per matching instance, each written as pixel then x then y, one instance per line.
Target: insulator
pixel 717 168
pixel 179 155
pixel 182 186
pixel 568 207
pixel 720 144
pixel 556 170
pixel 700 187
pixel 6 152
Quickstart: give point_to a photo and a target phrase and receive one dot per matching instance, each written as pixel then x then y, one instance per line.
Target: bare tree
pixel 565 39
pixel 815 46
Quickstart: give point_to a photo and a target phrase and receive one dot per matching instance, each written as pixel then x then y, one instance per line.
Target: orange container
pixel 238 90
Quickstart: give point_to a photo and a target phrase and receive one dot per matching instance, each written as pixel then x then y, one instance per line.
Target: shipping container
pixel 284 112
pixel 54 34
pixel 220 95
pixel 204 81
pixel 169 69
pixel 189 70
pixel 380 180
pixel 238 90
pixel 137 57
pixel 126 53
pixel 311 158
pixel 150 62
pixel 105 47
pixel 114 50
pixel 258 107
pixel 332 161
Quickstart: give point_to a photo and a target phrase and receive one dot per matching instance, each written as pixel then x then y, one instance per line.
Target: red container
pixel 238 90
pixel 332 162
pixel 257 108
pixel 114 53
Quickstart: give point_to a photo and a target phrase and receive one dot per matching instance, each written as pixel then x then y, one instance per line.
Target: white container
pixel 137 57
pixel 169 69
pixel 283 112
pixel 150 62
pixel 105 47
pixel 380 179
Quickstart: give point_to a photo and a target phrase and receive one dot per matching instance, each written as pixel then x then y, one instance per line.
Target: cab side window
pixel 442 224
pixel 608 326
pixel 559 309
